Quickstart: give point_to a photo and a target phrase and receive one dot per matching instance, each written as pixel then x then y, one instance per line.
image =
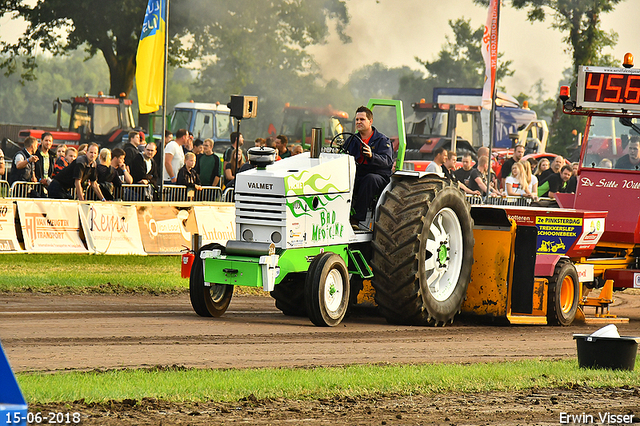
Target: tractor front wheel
pixel 564 291
pixel 327 290
pixel 422 252
pixel 207 300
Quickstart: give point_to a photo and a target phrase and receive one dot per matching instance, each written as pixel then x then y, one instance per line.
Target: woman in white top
pixel 516 184
pixel 531 178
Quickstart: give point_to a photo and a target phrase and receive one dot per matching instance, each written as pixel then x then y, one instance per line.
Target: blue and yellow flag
pixel 150 57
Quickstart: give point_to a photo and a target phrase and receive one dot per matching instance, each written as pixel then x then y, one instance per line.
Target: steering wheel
pixel 341 141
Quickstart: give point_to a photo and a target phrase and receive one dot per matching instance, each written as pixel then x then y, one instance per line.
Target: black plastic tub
pixel 616 353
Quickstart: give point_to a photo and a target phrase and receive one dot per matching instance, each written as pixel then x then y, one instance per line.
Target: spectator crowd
pixel 516 177
pixel 67 172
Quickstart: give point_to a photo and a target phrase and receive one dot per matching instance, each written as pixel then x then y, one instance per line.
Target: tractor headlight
pixel 247 235
pixel 276 237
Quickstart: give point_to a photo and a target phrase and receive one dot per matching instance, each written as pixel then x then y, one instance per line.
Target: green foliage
pixel 580 22
pixel 31 102
pixel 459 64
pixel 237 37
pixel 181 384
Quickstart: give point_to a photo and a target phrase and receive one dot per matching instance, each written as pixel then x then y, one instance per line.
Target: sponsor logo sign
pixel 50 226
pixel 111 229
pixel 8 239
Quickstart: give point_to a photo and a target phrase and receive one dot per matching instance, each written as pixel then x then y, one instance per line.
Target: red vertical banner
pixel 490 53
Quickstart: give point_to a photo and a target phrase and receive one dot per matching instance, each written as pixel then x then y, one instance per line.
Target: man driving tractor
pixel 374 162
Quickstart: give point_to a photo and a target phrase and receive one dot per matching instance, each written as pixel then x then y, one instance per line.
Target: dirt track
pixel 53 333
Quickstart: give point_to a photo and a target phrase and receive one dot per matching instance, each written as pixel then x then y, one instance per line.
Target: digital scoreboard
pixel 608 88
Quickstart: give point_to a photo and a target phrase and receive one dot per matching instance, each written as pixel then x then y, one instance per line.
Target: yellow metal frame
pixel 490 290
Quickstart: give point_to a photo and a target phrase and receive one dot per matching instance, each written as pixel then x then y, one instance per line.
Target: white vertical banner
pixel 111 228
pixel 490 53
pixel 50 226
pixel 8 237
pixel 216 223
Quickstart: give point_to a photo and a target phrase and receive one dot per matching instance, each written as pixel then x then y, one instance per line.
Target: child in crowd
pixel 60 151
pixel 70 154
pixel 187 175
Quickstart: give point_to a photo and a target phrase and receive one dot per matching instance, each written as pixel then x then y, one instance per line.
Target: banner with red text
pixel 216 223
pixel 111 228
pixel 8 238
pixel 490 53
pixel 163 229
pixel 50 226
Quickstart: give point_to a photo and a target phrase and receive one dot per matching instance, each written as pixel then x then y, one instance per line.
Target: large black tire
pixel 422 251
pixel 564 291
pixel 327 290
pixel 289 295
pixel 207 301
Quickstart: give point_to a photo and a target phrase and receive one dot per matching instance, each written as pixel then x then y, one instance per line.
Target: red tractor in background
pixel 105 120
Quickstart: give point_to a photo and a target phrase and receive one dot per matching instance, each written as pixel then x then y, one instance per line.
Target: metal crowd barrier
pixel 499 201
pixel 126 192
pixel 228 195
pixel 27 190
pixel 184 193
pixel 4 189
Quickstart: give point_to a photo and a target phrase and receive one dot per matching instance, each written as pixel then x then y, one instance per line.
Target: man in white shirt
pixel 440 156
pixel 174 156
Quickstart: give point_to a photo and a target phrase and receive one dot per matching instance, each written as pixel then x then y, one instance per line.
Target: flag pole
pixel 160 151
pixel 492 114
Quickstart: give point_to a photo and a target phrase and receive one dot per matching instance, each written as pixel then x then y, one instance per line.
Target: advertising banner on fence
pixel 163 229
pixel 50 226
pixel 111 229
pixel 216 224
pixel 8 238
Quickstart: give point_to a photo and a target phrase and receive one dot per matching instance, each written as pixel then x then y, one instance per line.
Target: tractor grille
pixel 252 209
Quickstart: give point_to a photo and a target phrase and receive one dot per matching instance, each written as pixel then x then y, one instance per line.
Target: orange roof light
pixel 628 60
pixel 100 93
pixel 122 95
pixel 564 93
pixel 422 101
pixel 287 105
pixel 191 101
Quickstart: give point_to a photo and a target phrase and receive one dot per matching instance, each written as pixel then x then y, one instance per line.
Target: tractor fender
pixel 546 264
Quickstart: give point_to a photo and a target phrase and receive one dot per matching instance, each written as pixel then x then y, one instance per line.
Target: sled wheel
pixel 207 301
pixel 564 290
pixel 327 290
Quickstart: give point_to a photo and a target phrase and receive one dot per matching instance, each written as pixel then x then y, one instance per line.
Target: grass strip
pixel 96 274
pixel 178 384
pixel 85 273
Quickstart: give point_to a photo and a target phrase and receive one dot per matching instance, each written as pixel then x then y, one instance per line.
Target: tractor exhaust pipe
pixel 316 142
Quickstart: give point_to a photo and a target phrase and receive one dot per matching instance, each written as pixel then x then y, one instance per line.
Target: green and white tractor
pixel 294 239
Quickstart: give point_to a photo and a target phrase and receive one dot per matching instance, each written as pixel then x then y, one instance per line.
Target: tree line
pixel 255 48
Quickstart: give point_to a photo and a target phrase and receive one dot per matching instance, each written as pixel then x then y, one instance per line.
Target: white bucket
pixel 607 331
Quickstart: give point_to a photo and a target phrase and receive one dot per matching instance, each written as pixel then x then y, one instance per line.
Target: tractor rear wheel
pixel 207 301
pixel 289 295
pixel 327 290
pixel 422 252
pixel 564 291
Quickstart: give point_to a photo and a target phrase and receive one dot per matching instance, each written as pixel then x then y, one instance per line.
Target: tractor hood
pixel 300 175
